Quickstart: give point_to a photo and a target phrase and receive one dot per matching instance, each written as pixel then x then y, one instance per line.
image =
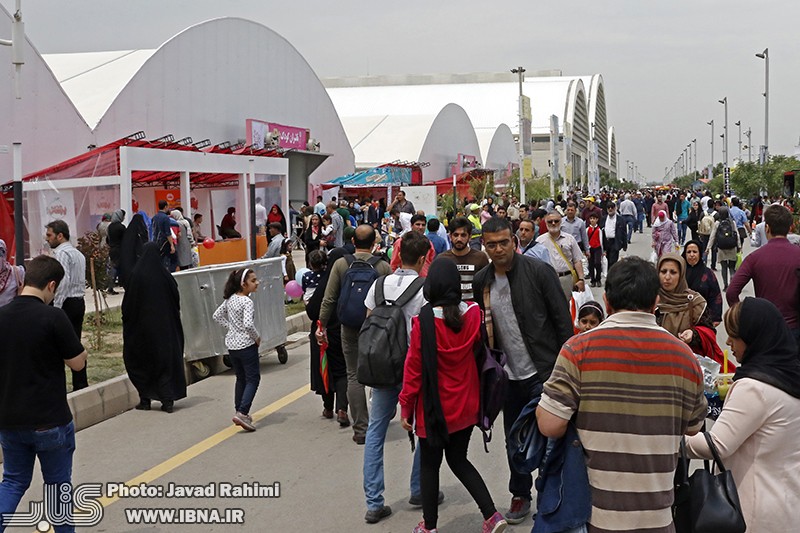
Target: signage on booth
pixel 260 135
pixel 172 196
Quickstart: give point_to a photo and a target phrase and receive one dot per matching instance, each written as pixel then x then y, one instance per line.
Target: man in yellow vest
pixel 475 218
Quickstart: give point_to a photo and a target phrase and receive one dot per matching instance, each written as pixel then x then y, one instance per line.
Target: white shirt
pixel 74 283
pixel 393 287
pixel 611 227
pixel 237 314
pixel 261 215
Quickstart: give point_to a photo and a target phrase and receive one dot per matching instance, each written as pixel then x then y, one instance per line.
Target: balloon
pixel 294 289
pixel 389 252
pixel 299 276
pixel 208 242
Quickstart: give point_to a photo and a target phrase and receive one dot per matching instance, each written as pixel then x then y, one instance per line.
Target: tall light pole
pixel 520 72
pixel 712 145
pixel 695 156
pixel 765 56
pixel 724 102
pixel 739 123
pixel 749 146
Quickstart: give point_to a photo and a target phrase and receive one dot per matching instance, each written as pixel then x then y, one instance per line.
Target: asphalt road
pixel 316 464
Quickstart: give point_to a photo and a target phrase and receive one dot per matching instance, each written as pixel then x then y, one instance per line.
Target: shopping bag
pixel 578 299
pixel 653 257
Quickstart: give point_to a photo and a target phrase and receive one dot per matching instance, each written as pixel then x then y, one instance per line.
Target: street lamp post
pixel 765 56
pixel 520 72
pixel 695 156
pixel 749 146
pixel 724 102
pixel 712 145
pixel 739 123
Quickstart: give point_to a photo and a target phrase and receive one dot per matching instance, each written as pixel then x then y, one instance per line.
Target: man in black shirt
pixel 35 420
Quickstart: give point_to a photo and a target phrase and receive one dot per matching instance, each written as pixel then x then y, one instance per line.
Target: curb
pixel 113 397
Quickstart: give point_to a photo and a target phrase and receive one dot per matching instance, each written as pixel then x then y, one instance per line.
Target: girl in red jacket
pixel 441 391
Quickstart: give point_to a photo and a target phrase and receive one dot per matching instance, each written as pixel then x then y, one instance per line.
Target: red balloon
pixel 208 242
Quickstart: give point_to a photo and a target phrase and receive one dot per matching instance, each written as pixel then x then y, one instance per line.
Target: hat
pixel 474 207
pixel 589 199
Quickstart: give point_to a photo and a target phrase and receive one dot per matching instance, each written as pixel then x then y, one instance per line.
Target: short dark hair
pixel 414 246
pixel 433 225
pixel 527 221
pixel 364 237
pixel 735 201
pixel 572 204
pixel 179 209
pixel 317 259
pixel 458 223
pixel 59 226
pixel 537 213
pixel 495 225
pixel 198 215
pixel 417 218
pixel 632 284
pixel 41 270
pixel 162 204
pixel 275 226
pixel 779 219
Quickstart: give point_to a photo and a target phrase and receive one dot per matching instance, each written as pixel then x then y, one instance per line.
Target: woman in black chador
pixel 152 332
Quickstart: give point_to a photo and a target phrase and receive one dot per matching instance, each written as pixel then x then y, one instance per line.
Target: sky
pixel 665 64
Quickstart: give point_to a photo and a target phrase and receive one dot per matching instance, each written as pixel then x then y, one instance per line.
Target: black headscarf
pixel 442 288
pixel 315 302
pixel 694 273
pixel 771 355
pixel 152 331
pixel 130 251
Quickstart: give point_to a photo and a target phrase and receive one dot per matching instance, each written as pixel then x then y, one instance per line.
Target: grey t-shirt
pixel 506 331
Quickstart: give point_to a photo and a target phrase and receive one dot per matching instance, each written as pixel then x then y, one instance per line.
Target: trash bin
pixel 201 291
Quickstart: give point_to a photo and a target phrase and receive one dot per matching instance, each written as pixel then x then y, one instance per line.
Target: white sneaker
pixel 244 421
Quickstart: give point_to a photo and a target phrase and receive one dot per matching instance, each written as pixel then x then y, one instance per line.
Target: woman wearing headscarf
pixel 701 279
pixel 227 228
pixel 134 238
pixel 11 277
pixel 758 431
pixel 337 369
pixel 727 256
pixel 152 332
pixel 276 215
pixel 682 311
pixel 440 394
pixel 312 237
pixel 114 234
pixel 665 234
pixel 185 241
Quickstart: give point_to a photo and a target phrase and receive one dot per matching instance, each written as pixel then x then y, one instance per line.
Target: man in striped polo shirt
pixel 632 390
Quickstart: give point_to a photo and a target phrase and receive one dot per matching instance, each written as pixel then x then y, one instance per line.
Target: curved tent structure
pixel 501 153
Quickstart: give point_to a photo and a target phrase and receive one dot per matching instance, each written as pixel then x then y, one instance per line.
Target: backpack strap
pixel 410 291
pixel 374 260
pixel 380 299
pixel 349 258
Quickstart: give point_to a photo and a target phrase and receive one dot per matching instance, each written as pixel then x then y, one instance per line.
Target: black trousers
pixel 612 255
pixel 595 264
pixel 75 308
pixel 338 386
pixel 456 453
pixel 519 394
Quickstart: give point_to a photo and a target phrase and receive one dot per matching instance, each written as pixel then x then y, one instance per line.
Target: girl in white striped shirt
pixel 242 340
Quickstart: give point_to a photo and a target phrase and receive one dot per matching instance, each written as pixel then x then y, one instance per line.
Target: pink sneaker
pixel 421 529
pixel 495 524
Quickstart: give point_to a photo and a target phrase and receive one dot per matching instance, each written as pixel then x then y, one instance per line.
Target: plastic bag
pixel 578 299
pixel 653 257
pixel 738 260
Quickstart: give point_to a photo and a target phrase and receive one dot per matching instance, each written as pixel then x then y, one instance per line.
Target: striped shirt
pixel 636 389
pixel 468 265
pixel 74 283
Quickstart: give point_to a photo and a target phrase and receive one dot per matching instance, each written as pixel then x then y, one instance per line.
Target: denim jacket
pixel 563 494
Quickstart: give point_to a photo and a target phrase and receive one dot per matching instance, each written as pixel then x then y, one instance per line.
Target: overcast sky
pixel 665 63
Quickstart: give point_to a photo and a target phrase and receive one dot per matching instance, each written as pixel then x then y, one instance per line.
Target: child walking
pixel 242 341
pixel 595 251
pixel 440 393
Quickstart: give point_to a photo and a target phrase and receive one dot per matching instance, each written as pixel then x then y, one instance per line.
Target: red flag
pixel 323 362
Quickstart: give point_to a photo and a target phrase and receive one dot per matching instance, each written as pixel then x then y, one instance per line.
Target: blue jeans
pixel 639 222
pixel 248 376
pixel 384 403
pixel 518 396
pixel 54 448
pixel 681 231
pixel 630 224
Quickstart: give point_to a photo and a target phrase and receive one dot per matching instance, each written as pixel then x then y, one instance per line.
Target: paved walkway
pixel 315 462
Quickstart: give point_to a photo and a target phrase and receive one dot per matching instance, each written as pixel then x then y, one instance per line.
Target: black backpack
pixel 726 235
pixel 357 280
pixel 383 339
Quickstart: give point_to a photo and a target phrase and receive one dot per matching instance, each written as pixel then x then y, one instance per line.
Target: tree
pixel 750 179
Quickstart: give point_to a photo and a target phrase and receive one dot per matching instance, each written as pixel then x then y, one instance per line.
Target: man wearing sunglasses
pixel 565 255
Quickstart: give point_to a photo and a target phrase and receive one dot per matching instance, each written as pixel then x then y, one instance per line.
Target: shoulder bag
pixel 706 502
pixel 575 277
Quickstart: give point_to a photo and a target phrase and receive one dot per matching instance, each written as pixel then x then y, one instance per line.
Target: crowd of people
pixel 618 374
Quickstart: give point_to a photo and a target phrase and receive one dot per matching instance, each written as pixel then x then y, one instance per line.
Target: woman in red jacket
pixel 441 391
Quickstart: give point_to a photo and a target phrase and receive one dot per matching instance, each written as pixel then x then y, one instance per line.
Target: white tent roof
pixel 385 138
pixel 92 80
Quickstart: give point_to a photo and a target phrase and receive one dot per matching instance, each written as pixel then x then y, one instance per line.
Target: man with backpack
pixel 725 239
pixel 391 303
pixel 350 278
pixel 531 321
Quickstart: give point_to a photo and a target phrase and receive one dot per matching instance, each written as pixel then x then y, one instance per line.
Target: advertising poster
pixel 258 133
pixel 172 196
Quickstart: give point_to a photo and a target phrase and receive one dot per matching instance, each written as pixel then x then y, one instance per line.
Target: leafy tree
pixel 749 179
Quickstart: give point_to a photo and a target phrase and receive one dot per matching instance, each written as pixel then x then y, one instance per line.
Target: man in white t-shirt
pixel 319 207
pixel 261 216
pixel 384 400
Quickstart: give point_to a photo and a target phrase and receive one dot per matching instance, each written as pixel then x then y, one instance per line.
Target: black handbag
pixel 706 502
